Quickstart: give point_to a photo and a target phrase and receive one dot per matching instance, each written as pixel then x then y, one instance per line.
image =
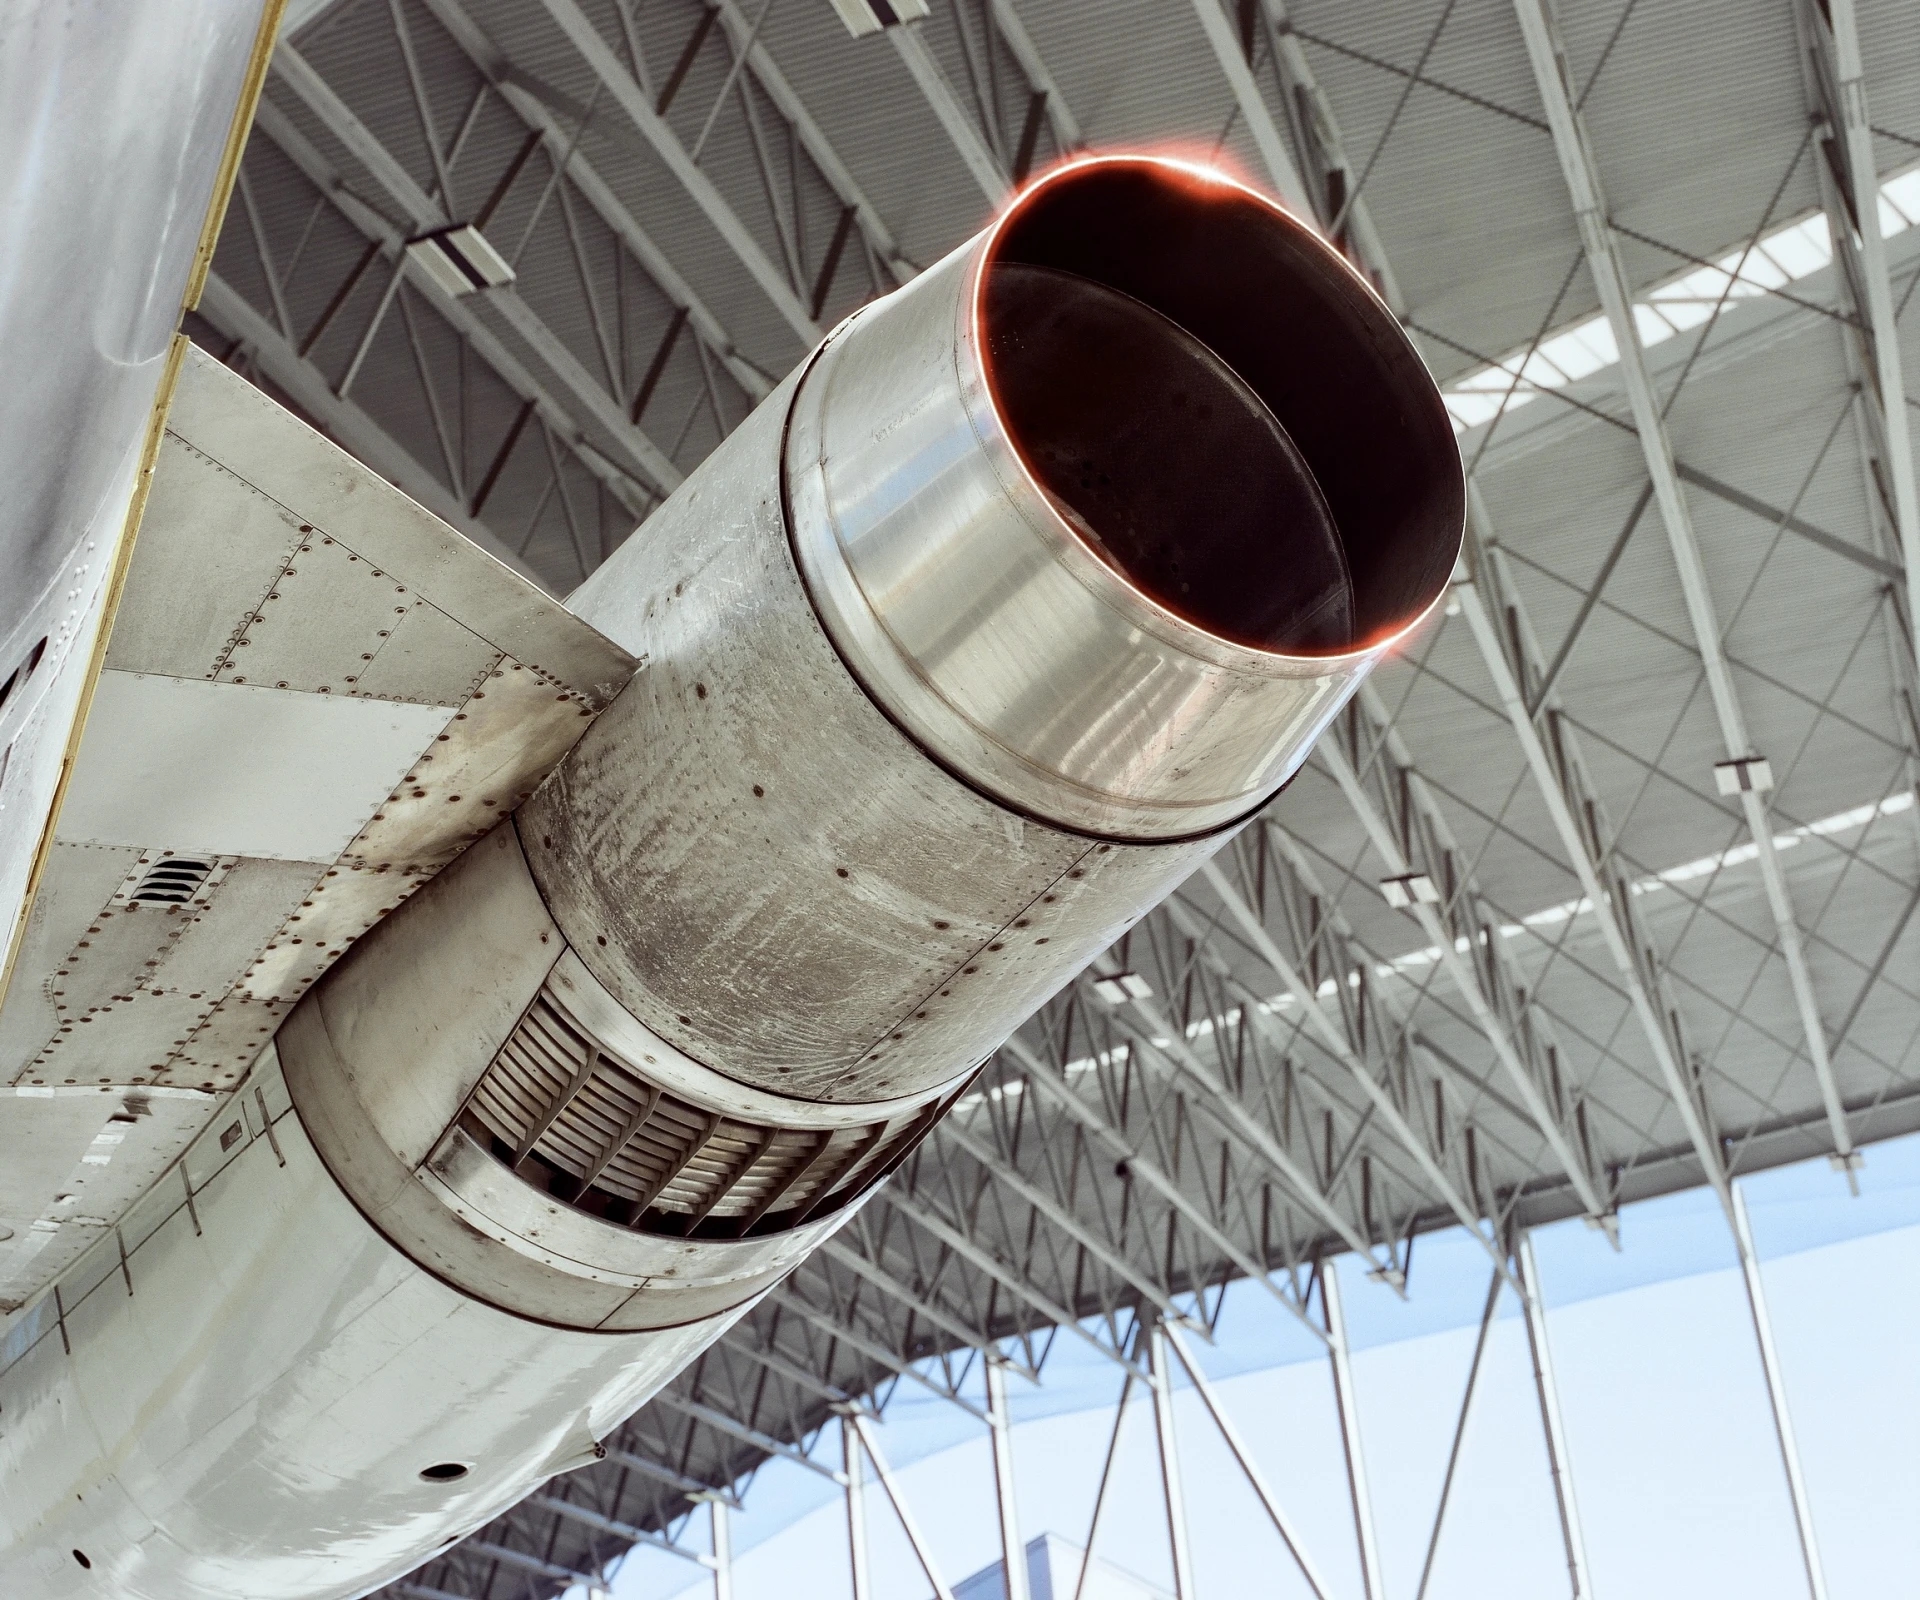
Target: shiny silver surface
pixel 990 629
pixel 381 1057
pixel 697 1083
pixel 242 1405
pixel 476 1187
pixel 757 862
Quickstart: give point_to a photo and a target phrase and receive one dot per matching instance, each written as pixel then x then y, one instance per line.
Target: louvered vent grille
pixel 172 880
pixel 595 1132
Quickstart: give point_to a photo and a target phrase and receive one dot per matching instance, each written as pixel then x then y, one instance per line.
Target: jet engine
pixel 1003 612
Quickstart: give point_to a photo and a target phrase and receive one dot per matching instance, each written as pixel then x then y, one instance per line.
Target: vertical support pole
pixel 1169 1462
pixel 1013 1552
pixel 850 1456
pixel 1343 1399
pixel 722 1549
pixel 1550 1420
pixel 1777 1396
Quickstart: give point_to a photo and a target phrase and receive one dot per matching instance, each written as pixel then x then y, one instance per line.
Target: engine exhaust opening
pixel 1165 462
pixel 1219 407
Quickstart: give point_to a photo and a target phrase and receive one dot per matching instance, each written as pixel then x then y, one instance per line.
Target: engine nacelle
pixel 994 620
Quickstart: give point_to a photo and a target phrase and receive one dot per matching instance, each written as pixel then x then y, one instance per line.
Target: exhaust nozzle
pixel 977 636
pixel 1112 508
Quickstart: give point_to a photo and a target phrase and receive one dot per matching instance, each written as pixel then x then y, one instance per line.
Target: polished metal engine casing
pixel 902 754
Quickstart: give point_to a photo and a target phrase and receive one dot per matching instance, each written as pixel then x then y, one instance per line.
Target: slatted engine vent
pixel 590 1128
pixel 172 880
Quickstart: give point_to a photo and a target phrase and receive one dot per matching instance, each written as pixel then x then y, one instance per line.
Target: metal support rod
pixel 1009 1277
pixel 647 1467
pixel 1560 783
pixel 1332 1036
pixel 853 1472
pixel 722 1549
pixel 1176 1504
pixel 1553 76
pixel 1008 1175
pixel 900 1508
pixel 1501 1031
pixel 586 1516
pixel 1552 1427
pixel 900 1293
pixel 836 1327
pixel 1219 1105
pixel 1344 1404
pixel 1857 142
pixel 1777 1398
pixel 1459 1433
pixel 1000 1425
pixel 589 405
pixel 1267 139
pixel 1046 1080
pixel 1289 1536
pixel 1066 128
pixel 974 152
pixel 1106 1477
pixel 638 109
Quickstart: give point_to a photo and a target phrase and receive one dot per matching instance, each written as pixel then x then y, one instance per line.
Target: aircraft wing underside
pixel 315 696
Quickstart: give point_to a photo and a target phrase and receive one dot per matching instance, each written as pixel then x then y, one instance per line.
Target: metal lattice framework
pixel 1504 952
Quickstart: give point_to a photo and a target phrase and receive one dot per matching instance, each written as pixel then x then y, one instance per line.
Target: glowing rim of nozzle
pixel 1199 172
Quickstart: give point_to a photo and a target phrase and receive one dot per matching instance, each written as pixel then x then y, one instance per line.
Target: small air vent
pixel 18 677
pixel 591 1130
pixel 166 879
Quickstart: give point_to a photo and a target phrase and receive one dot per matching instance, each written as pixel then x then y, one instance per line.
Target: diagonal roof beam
pixel 974 151
pixel 1311 139
pixel 1066 126
pixel 1484 592
pixel 813 140
pixel 962 129
pixel 1552 75
pixel 1392 801
pixel 1267 138
pixel 1317 136
pixel 1334 1037
pixel 351 428
pixel 634 102
pixel 1008 1175
pixel 1839 79
pixel 590 408
pixel 1165 1041
pixel 1048 1082
pixel 835 1327
pixel 526 100
pixel 297 148
pixel 874 1273
pixel 1007 1276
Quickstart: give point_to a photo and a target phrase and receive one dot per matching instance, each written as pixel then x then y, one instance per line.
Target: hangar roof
pixel 1604 887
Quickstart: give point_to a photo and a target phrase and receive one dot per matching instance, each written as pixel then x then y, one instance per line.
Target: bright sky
pixel 1677 1473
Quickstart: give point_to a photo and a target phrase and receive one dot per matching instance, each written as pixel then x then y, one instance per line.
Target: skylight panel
pixel 1784 256
pixel 1903 195
pixel 1804 248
